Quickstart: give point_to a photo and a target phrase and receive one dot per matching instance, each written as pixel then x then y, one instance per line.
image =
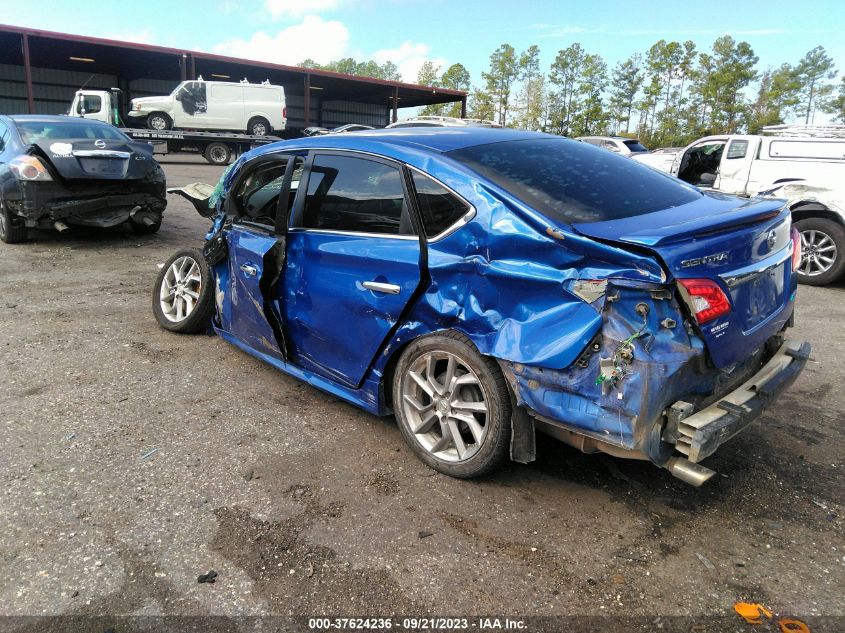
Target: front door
pixel 353 264
pixel 256 253
pixel 191 108
pixel 735 167
pixel 699 164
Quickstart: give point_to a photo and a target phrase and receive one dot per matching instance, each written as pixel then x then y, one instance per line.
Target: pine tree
pixel 456 77
pixel 429 75
pixel 624 85
pixel 564 77
pixel 500 78
pixel 812 72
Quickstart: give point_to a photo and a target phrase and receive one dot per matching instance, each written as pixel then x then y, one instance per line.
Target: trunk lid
pixel 742 245
pixel 101 159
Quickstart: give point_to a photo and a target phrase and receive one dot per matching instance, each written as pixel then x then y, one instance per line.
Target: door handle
pixel 377 286
pixel 249 271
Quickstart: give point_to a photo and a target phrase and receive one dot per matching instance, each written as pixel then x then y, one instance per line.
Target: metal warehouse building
pixel 41 70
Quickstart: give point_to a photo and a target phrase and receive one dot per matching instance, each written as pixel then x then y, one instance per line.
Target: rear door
pixel 226 106
pixel 353 263
pixel 735 167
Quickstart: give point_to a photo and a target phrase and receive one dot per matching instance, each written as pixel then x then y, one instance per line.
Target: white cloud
pixel 409 57
pixel 291 8
pixel 325 41
pixel 315 38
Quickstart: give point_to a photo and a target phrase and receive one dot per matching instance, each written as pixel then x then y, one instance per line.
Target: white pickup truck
pixel 797 164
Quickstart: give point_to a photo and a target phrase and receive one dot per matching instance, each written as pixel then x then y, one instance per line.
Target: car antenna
pixel 90 77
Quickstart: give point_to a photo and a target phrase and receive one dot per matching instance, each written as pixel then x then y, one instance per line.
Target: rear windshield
pixel 635 146
pixel 33 131
pixel 572 182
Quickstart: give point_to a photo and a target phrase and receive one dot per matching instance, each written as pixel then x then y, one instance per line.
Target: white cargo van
pixel 803 164
pixel 258 109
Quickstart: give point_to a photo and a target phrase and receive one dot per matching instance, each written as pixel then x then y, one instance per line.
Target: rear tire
pixel 183 294
pixel 258 126
pixel 159 121
pixel 432 408
pixel 822 240
pixel 12 230
pixel 218 154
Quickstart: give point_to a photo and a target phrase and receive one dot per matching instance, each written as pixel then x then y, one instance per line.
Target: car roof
pixel 50 118
pixel 612 138
pixel 431 139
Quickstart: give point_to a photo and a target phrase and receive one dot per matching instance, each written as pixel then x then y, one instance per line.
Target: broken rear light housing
pixel 705 298
pixel 796 249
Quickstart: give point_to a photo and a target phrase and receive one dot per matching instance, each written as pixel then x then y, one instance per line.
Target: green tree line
pixel 668 95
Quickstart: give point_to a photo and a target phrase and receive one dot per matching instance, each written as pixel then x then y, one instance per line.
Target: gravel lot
pixel 306 506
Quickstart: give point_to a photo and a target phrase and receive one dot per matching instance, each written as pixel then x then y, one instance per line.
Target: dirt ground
pixel 134 460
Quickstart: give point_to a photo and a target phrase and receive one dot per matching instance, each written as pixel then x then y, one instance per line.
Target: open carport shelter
pixel 41 70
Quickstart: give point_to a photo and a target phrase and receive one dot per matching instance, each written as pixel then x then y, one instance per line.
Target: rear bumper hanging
pixel 698 435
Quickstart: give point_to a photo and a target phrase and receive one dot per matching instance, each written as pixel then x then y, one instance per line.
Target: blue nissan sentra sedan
pixel 485 284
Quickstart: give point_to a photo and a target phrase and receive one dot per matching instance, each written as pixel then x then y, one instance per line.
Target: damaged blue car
pixel 483 285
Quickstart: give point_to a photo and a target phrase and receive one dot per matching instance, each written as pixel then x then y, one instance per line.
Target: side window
pixel 257 198
pixel 346 193
pixel 4 136
pixel 610 145
pixel 89 104
pixel 737 149
pixel 439 207
pixel 192 97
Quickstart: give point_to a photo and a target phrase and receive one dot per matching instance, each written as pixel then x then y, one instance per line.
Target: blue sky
pixel 411 31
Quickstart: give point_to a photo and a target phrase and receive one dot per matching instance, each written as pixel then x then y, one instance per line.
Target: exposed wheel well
pixel 805 210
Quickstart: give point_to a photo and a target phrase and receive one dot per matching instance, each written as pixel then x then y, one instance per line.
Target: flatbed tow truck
pixel 216 147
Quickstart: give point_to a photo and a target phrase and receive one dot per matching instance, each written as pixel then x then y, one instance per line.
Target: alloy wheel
pixel 180 289
pixel 445 405
pixel 818 253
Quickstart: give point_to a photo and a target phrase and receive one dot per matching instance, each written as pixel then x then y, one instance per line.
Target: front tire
pixel 183 295
pixel 452 405
pixel 159 121
pixel 822 251
pixel 12 230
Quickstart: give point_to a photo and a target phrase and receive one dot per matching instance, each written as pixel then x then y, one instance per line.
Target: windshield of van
pixel 571 182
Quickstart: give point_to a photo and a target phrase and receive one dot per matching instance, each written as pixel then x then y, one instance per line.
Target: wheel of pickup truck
pixel 452 405
pixel 159 121
pixel 822 251
pixel 12 230
pixel 183 295
pixel 217 153
pixel 258 126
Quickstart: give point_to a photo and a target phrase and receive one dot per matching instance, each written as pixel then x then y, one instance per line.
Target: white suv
pixel 619 144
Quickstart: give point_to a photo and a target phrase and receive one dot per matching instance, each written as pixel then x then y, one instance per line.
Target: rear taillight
pixel 284 113
pixel 26 167
pixel 796 249
pixel 706 299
